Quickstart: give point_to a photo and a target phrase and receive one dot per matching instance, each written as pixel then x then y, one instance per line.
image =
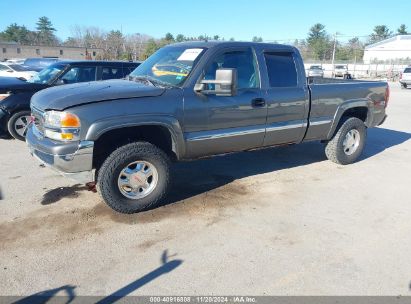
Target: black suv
pixel 15 94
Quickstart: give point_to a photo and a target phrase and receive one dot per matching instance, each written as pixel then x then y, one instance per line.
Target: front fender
pixel 98 128
pixel 349 104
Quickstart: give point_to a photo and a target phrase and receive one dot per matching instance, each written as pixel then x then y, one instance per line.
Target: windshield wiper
pixel 152 81
pixel 142 79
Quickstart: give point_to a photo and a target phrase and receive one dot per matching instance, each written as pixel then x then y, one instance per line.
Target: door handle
pixel 258 102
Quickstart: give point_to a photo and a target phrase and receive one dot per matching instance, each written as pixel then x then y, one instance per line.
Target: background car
pixel 16 60
pixel 405 78
pixel 15 94
pixel 315 71
pixel 340 70
pixel 16 70
pixel 38 64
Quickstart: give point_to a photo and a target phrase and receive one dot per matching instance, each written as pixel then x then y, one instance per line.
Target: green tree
pixel 380 33
pixel 115 44
pixel 45 31
pixel 318 42
pixel 257 39
pixel 232 39
pixel 16 33
pixel 151 47
pixel 216 37
pixel 180 38
pixel 402 30
pixel 169 38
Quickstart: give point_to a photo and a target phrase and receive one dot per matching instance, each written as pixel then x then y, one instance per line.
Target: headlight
pixel 61 126
pixel 3 96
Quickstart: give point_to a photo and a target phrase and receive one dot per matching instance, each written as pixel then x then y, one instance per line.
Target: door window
pixel 243 61
pixel 111 73
pixel 79 74
pixel 281 69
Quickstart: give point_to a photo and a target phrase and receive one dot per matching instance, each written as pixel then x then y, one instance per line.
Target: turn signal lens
pixel 67 136
pixel 69 120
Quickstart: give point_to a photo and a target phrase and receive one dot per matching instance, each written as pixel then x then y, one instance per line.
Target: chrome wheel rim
pixel 21 124
pixel 351 142
pixel 138 179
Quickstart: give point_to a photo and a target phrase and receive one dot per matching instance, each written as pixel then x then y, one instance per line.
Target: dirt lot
pixel 280 221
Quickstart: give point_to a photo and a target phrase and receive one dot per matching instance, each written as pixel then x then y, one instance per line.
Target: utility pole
pixel 335 46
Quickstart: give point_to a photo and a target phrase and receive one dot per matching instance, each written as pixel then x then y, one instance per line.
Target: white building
pixel 389 50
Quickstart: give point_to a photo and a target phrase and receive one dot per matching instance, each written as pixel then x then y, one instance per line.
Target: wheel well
pixel 358 112
pixel 111 140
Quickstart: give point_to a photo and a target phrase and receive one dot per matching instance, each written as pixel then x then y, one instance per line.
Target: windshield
pixel 48 74
pixel 39 61
pixel 407 70
pixel 18 68
pixel 169 65
pixel 340 67
pixel 315 67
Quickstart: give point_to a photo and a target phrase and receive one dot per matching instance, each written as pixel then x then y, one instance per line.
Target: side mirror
pixel 225 83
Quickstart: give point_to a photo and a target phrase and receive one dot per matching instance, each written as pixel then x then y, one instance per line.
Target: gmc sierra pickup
pixel 193 100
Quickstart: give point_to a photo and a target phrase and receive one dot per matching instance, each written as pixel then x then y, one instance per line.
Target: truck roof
pixel 215 43
pixel 97 62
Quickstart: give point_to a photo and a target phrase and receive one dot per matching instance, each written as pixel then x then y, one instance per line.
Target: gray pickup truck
pixel 193 100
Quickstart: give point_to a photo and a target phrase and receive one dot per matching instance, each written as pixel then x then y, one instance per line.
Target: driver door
pixel 232 123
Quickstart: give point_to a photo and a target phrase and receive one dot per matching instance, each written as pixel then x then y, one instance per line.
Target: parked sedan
pixel 315 71
pixel 15 94
pixel 15 70
pixel 16 60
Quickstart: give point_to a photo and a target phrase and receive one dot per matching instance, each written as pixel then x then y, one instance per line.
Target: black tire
pixel 14 124
pixel 108 175
pixel 334 149
pixel 404 85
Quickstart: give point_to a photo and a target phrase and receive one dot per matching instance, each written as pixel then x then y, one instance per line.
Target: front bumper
pixel 73 160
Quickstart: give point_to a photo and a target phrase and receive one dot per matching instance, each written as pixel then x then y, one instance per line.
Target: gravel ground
pixel 282 221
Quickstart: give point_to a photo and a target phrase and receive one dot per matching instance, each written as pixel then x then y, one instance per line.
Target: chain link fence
pixel 361 70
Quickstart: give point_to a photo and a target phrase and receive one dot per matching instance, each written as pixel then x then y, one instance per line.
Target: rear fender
pixel 350 104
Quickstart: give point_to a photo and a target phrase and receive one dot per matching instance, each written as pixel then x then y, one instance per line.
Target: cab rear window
pixel 281 69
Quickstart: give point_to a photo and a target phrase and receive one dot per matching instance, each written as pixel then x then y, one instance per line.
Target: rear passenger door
pixel 287 98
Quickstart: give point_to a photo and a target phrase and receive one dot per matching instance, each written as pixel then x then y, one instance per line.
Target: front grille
pixel 38 119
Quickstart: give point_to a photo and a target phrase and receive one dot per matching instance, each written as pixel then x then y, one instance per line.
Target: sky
pixel 282 21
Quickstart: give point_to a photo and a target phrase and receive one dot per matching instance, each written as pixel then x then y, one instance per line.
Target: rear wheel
pixel 18 124
pixel 134 178
pixel 348 143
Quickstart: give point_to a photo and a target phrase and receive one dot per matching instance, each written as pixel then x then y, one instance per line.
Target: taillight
pixel 387 95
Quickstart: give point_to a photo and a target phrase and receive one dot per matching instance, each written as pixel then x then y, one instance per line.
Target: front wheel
pixel 348 143
pixel 18 124
pixel 134 178
pixel 403 86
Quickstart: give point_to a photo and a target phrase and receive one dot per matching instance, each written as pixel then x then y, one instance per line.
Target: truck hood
pixel 67 96
pixel 15 85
